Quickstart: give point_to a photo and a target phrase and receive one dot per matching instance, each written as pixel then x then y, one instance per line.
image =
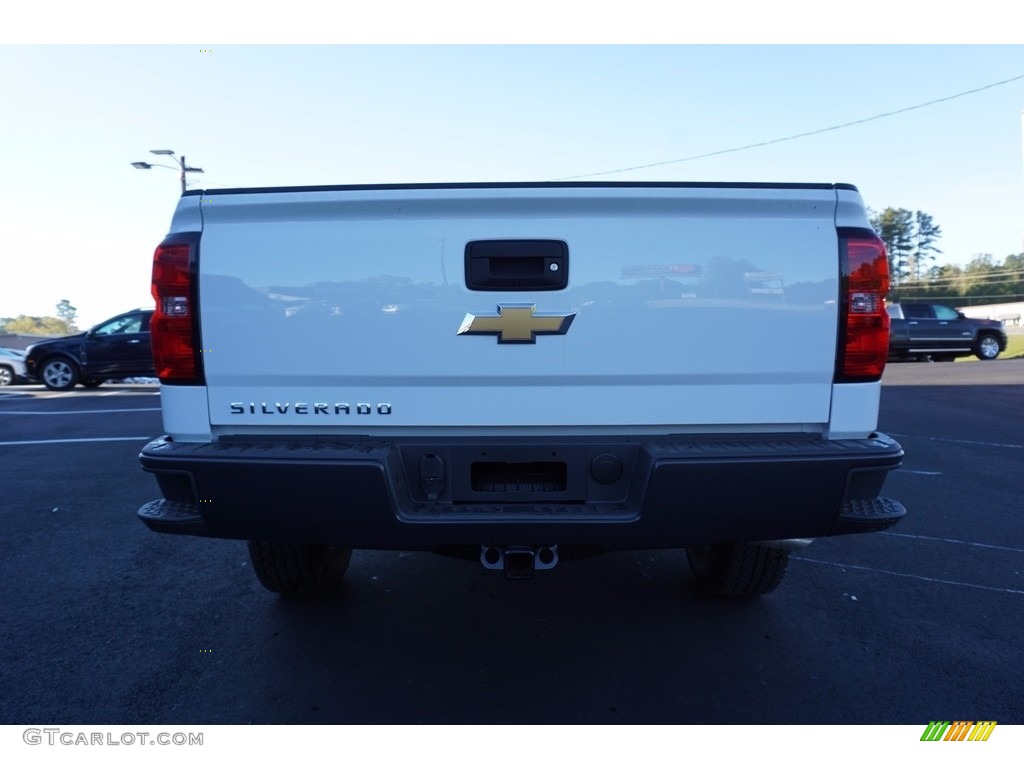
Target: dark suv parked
pixel 114 349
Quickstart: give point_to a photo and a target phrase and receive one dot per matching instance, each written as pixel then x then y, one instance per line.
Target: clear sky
pixel 79 222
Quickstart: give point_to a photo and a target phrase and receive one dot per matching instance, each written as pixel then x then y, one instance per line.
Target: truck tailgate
pixel 686 308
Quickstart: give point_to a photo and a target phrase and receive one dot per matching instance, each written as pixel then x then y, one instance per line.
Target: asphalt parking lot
pixel 106 622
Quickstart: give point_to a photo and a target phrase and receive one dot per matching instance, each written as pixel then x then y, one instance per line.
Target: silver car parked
pixel 12 366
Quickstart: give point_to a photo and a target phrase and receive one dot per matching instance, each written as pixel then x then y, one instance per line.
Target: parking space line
pixel 910 576
pixel 64 395
pixel 962 442
pixel 952 541
pixel 77 440
pixel 76 413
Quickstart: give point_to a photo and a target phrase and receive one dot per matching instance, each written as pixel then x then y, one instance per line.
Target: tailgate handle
pixel 517 265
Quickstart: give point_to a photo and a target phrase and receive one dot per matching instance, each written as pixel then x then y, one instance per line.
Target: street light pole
pixel 180 160
pixel 183 174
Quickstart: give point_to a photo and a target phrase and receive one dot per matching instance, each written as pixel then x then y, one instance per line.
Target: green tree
pixel 984 280
pixel 980 264
pixel 925 233
pixel 67 313
pixel 895 227
pixel 1014 262
pixel 37 326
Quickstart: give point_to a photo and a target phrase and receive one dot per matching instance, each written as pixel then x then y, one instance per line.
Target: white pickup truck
pixel 521 373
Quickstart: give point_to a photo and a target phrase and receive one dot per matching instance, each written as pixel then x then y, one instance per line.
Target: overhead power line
pixel 799 135
pixel 971 278
pixel 1006 298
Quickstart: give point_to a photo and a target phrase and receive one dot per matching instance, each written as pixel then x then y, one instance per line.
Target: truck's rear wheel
pixel 738 570
pixel 296 570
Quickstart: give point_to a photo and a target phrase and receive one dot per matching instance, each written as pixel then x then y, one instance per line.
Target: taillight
pixel 863 321
pixel 173 327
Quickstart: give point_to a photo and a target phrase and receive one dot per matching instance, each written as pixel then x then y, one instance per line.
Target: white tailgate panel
pixel 694 308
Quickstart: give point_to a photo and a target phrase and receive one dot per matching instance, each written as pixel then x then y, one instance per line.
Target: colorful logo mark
pixel 958 730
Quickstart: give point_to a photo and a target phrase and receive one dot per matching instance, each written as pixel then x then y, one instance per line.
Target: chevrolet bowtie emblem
pixel 516 324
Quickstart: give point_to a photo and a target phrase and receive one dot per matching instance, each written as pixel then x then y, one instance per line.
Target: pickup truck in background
pixel 520 374
pixel 935 332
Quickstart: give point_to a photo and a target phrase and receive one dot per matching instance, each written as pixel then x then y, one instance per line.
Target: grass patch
pixel 1014 346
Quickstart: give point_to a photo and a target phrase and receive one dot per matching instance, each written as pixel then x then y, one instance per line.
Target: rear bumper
pixel 615 493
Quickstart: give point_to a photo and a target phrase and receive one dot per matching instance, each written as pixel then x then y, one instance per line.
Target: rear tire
pixel 299 570
pixel 6 375
pixel 738 570
pixel 59 374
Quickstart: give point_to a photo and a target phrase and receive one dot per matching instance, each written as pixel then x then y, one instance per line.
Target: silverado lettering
pixel 384 409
